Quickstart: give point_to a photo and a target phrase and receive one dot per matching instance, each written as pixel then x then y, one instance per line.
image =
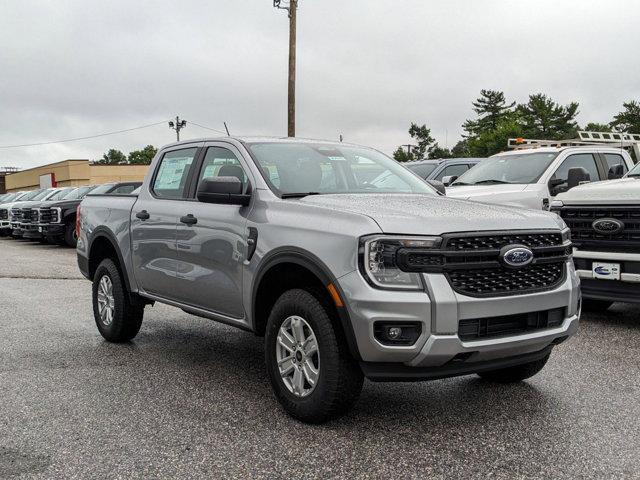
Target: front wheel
pixel 515 374
pixel 70 235
pixel 117 319
pixel 311 371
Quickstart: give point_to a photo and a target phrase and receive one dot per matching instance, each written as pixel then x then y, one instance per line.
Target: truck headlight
pixel 379 257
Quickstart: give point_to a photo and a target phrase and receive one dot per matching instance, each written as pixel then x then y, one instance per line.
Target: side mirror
pixel 555 182
pixel 449 179
pixel 439 186
pixel 616 171
pixel 576 176
pixel 226 190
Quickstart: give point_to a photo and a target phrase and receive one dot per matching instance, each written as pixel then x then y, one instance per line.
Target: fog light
pixel 396 333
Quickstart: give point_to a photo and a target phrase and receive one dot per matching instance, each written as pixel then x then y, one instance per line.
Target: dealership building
pixel 72 173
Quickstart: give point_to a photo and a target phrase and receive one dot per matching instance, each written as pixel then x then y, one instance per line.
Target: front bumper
pixel 627 289
pixel 16 229
pixel 53 229
pixel 30 230
pixel 439 310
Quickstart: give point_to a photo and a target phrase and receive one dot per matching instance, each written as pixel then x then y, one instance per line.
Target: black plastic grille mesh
pixel 4 214
pixel 488 242
pixel 580 221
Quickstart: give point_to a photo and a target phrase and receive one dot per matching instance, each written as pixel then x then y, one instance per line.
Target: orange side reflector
pixel 335 295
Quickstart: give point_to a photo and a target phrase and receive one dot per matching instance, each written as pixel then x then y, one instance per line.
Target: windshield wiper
pixel 491 180
pixel 298 195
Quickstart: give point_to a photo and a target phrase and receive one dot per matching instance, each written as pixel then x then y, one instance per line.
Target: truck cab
pixel 532 175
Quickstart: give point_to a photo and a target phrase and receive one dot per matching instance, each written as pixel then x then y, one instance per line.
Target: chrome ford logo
pixel 608 226
pixel 516 256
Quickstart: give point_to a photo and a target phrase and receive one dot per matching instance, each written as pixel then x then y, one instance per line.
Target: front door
pixel 211 240
pixel 154 220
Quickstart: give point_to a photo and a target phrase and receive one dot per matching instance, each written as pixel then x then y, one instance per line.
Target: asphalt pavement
pixel 189 398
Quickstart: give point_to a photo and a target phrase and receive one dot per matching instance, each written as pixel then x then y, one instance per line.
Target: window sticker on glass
pixel 171 172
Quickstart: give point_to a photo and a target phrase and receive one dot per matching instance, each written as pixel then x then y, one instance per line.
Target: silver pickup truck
pixel 344 278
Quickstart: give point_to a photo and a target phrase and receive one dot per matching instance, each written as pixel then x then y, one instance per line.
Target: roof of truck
pixel 259 139
pixel 591 148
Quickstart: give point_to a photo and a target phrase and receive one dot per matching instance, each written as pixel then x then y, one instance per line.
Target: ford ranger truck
pixel 533 177
pixel 344 279
pixel 604 219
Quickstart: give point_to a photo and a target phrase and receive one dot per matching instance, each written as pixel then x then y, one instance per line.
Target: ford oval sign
pixel 608 226
pixel 516 256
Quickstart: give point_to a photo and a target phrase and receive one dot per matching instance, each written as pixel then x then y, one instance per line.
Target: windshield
pixel 317 168
pixel 79 193
pixel 423 169
pixel 635 171
pixel 30 195
pixel 59 194
pixel 43 194
pixel 104 188
pixel 523 168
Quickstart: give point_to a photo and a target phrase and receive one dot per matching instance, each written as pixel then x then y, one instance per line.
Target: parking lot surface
pixel 189 398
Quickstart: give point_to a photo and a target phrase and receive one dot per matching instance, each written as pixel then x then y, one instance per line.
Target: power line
pixel 206 128
pixel 82 138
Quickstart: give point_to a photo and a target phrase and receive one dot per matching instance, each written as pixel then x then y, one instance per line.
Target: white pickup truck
pixel 604 219
pixel 532 175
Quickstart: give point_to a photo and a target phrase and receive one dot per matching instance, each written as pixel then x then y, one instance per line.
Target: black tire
pixel 515 374
pixel 70 237
pixel 127 317
pixel 590 305
pixel 339 377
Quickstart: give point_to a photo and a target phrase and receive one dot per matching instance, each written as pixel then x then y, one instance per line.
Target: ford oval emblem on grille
pixel 607 226
pixel 516 256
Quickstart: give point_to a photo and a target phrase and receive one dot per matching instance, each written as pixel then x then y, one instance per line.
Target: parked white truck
pixel 536 171
pixel 604 219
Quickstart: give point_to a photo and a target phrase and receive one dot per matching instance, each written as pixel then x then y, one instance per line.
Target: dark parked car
pixel 439 169
pixel 122 188
pixel 30 222
pixel 57 220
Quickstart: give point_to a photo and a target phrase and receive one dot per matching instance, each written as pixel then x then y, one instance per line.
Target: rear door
pixel 154 220
pixel 212 239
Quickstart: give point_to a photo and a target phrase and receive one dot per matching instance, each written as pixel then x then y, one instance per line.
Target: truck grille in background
pixel 580 221
pixel 472 263
pixel 4 214
pixel 16 214
pixel 48 215
pixel 480 328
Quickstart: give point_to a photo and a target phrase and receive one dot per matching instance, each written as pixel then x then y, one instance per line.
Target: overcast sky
pixel 366 68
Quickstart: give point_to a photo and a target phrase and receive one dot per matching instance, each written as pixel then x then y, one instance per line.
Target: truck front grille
pixel 48 215
pixel 473 264
pixel 580 221
pixel 491 327
pixel 4 214
pixel 16 214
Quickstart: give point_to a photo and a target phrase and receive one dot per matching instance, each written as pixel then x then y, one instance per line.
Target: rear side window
pixel 423 170
pixel 613 160
pixel 171 177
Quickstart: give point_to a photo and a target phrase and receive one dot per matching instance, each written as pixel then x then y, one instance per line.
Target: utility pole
pixel 177 126
pixel 291 6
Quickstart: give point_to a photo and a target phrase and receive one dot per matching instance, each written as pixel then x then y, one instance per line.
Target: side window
pixel 456 170
pixel 124 189
pixel 613 160
pixel 583 160
pixel 171 177
pixel 221 162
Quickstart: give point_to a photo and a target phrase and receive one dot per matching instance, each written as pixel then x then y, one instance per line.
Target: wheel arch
pixel 103 244
pixel 284 257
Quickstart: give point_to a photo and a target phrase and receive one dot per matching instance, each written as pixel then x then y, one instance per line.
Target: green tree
pixel 628 120
pixel 424 140
pixel 491 108
pixel 597 127
pixel 113 157
pixel 493 141
pixel 460 149
pixel 144 156
pixel 541 117
pixel 436 151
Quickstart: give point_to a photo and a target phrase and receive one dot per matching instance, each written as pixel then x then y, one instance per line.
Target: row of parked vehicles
pixel 50 214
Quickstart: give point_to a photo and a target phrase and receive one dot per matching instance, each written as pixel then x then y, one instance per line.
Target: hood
pixel 472 191
pixel 415 214
pixel 62 203
pixel 622 190
pixel 28 203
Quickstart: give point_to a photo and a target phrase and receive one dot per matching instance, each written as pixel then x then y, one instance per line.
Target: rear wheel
pixel 117 319
pixel 70 237
pixel 590 305
pixel 515 374
pixel 311 371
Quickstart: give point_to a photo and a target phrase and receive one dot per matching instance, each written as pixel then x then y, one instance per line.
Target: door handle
pixel 143 215
pixel 189 220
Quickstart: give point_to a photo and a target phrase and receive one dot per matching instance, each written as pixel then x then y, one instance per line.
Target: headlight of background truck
pixel 379 256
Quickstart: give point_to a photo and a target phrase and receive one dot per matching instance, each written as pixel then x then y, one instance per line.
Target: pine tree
pixel 541 117
pixel 628 120
pixel 491 108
